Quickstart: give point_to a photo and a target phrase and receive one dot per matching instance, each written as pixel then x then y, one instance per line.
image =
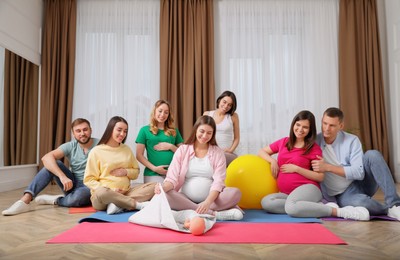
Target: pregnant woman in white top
pixel 227 120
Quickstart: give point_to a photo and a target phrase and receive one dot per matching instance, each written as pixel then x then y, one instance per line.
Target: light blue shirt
pixel 348 150
pixel 77 157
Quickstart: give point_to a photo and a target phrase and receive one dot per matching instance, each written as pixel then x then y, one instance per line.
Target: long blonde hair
pixel 169 125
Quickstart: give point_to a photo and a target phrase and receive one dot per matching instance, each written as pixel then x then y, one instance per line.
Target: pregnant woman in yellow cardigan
pixel 110 168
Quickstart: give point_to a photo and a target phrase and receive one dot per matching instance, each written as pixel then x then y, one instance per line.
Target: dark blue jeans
pixel 377 175
pixel 78 196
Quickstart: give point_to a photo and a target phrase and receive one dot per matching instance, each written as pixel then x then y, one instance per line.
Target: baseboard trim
pixel 16 177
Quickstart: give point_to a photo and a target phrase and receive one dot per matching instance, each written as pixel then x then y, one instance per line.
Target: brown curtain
pixel 187 59
pixel 360 74
pixel 21 84
pixel 58 61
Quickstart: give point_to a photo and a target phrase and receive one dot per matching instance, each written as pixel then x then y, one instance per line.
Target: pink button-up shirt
pixel 180 163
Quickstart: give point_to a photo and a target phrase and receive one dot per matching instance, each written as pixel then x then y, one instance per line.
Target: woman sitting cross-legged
pixel 196 177
pixel 109 170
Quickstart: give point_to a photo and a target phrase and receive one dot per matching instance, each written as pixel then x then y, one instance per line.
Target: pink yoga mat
pixel 244 233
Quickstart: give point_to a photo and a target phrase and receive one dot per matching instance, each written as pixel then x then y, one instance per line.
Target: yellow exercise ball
pixel 252 175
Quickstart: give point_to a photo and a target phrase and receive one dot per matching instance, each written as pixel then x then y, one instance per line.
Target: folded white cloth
pixel 158 213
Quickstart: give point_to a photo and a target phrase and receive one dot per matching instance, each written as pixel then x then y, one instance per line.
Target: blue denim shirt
pixel 348 150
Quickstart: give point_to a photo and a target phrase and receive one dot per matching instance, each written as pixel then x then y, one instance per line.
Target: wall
pixel 21 27
pixel 20 32
pixel 15 177
pixel 390 32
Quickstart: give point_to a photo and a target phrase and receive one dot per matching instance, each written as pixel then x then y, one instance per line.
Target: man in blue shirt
pixel 351 177
pixel 75 193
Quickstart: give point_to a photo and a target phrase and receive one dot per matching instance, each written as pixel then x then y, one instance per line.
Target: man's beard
pixel 87 140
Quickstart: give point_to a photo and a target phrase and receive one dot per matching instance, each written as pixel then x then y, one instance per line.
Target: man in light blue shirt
pixel 351 177
pixel 75 193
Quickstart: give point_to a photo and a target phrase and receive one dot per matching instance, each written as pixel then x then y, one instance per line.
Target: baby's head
pixel 196 226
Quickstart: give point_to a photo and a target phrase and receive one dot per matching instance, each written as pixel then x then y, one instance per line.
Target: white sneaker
pixel 17 208
pixel 332 205
pixel 230 214
pixel 113 209
pixel 356 213
pixel 47 199
pixel 394 212
pixel 141 205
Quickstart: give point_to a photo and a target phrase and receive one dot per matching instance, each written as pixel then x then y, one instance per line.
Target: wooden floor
pixel 24 237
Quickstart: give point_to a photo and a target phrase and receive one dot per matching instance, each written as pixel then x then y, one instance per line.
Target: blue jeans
pixel 377 175
pixel 78 196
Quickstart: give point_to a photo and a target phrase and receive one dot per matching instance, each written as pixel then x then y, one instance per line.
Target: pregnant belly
pixel 197 188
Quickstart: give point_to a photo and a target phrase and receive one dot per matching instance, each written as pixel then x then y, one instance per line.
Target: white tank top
pixel 224 134
pixel 198 179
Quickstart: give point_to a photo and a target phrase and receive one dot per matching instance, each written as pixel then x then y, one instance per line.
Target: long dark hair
pixel 232 95
pixel 312 134
pixel 110 128
pixel 203 120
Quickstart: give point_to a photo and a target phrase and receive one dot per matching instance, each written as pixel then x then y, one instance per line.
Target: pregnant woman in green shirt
pixel 160 139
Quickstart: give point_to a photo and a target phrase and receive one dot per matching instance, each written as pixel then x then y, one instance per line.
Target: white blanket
pixel 158 213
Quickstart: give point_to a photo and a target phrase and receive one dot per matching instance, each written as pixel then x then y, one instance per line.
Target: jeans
pixel 78 196
pixel 377 175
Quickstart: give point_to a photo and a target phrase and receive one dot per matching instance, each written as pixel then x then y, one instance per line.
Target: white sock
pixel 139 205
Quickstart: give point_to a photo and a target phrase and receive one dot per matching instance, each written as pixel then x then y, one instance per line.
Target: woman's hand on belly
pixel 161 169
pixel 119 172
pixel 120 191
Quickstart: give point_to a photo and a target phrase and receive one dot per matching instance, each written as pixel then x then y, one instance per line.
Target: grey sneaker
pixel 17 208
pixel 113 209
pixel 356 213
pixel 230 214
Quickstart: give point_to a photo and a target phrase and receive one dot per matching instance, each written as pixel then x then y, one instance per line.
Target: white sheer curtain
pixel 2 58
pixel 117 63
pixel 279 57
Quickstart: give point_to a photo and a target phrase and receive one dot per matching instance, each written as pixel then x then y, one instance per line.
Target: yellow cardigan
pixel 102 160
